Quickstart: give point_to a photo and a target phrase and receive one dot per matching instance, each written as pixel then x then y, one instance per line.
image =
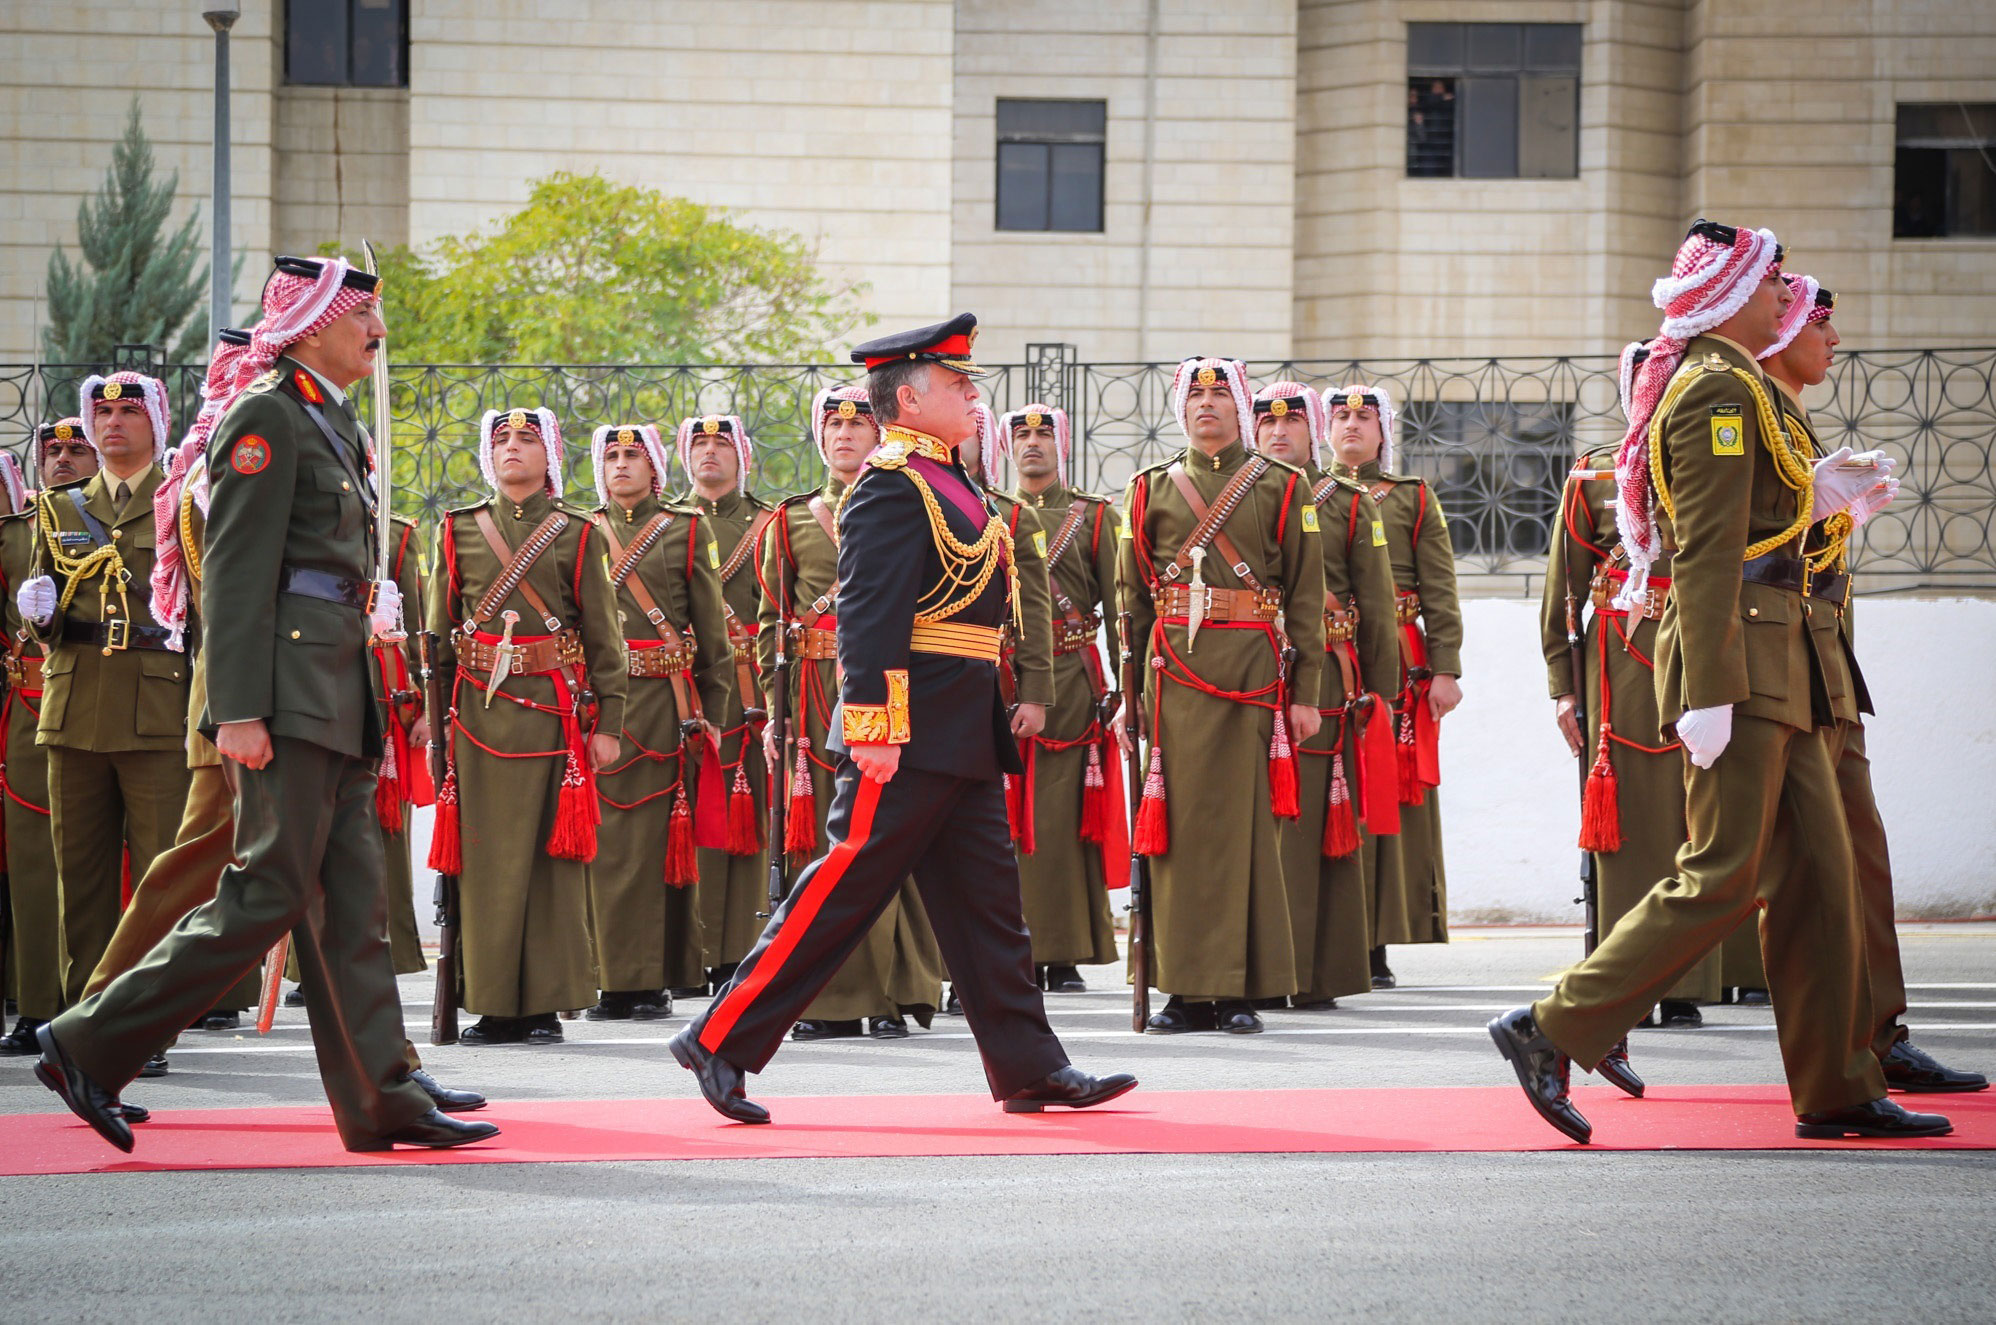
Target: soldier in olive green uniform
pixel 114 705
pixel 63 455
pixel 1740 675
pixel 288 611
pixel 734 879
pixel 1800 358
pixel 1410 899
pixel 525 615
pixel 1223 582
pixel 641 885
pixel 897 970
pixel 1078 848
pixel 1323 851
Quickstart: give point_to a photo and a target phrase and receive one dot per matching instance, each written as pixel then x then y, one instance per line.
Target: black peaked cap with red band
pixel 947 343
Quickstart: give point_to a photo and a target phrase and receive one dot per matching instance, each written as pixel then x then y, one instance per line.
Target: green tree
pixel 136 285
pixel 591 271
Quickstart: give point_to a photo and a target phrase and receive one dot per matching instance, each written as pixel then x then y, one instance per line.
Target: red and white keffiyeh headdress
pixel 713 425
pixel 1809 304
pixel 843 401
pixel 1231 371
pixel 302 296
pixel 61 430
pixel 544 425
pixel 1037 415
pixel 124 385
pixel 1717 269
pixel 15 483
pixel 184 474
pixel 1380 399
pixel 1631 360
pixel 646 435
pixel 987 446
pixel 1278 399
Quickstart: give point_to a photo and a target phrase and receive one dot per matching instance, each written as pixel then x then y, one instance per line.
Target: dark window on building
pixel 1050 164
pixel 346 43
pixel 1496 468
pixel 1493 100
pixel 1944 172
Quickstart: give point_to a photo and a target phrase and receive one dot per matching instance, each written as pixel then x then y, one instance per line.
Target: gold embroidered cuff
pixel 880 724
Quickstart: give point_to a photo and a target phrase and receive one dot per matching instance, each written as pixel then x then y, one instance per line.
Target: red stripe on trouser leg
pixel 740 998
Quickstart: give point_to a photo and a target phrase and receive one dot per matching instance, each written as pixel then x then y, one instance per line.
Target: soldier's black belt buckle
pixel 117 635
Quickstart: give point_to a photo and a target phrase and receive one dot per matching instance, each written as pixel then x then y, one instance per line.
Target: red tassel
pixel 744 824
pixel 1152 836
pixel 1600 808
pixel 446 843
pixel 1015 804
pixel 1094 797
pixel 1283 796
pixel 800 829
pixel 1408 758
pixel 388 786
pixel 125 881
pixel 1341 818
pixel 576 814
pixel 682 865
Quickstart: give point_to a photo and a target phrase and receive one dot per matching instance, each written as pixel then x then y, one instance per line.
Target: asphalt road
pixel 1663 1235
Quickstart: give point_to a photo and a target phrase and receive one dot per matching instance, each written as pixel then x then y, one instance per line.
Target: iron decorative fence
pixel 1495 436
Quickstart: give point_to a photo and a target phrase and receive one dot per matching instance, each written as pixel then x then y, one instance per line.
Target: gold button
pixel 294 634
pixel 345 486
pixel 1753 611
pixel 117 533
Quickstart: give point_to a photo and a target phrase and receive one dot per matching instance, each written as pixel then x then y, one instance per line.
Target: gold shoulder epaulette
pixel 264 382
pixel 890 454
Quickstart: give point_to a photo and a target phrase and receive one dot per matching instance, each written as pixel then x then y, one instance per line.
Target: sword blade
pixel 383 450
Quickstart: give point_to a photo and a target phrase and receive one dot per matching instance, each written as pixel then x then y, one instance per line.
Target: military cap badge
pixel 710 425
pixel 63 432
pixel 625 436
pixel 1278 407
pixel 1356 400
pixel 847 409
pixel 1208 376
pixel 1034 418
pixel 112 390
pixel 517 419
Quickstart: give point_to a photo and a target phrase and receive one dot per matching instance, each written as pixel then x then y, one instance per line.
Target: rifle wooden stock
pixel 443 1007
pixel 1133 777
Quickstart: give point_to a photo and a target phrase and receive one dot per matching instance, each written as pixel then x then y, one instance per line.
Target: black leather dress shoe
pixel 952 1008
pixel 1237 1017
pixel 218 1021
pixel 133 1113
pixel 827 1030
pixel 1542 1070
pixel 20 1042
pixel 493 1030
pixel 887 1028
pixel 1070 1088
pixel 450 1101
pixel 1911 1069
pixel 1268 1004
pixel 1177 1017
pixel 1754 998
pixel 85 1098
pixel 611 1007
pixel 154 1066
pixel 1305 1003
pixel 1065 980
pixel 543 1028
pixel 294 997
pixel 1382 974
pixel 653 1006
pixel 1675 1014
pixel 1879 1117
pixel 1616 1071
pixel 720 1081
pixel 435 1130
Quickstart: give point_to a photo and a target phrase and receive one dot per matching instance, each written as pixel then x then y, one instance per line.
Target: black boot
pixel 1382 974
pixel 1616 1071
pixel 952 1008
pixel 217 1020
pixel 1178 1017
pixel 1065 980
pixel 826 1030
pixel 154 1066
pixel 542 1028
pixel 294 997
pixel 1236 1016
pixel 653 1006
pixel 718 977
pixel 887 1028
pixel 492 1030
pixel 615 1005
pixel 20 1042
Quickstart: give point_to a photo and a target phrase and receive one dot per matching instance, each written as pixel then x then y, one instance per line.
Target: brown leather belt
pixel 1340 625
pixel 1074 636
pixel 1832 587
pixel 1608 582
pixel 1407 606
pixel 817 645
pixel 1221 605
pixel 531 659
pixel 24 671
pixel 1776 572
pixel 661 662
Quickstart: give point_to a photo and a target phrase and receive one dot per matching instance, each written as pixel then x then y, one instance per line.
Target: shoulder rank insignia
pixel 1728 430
pixel 889 455
pixel 307 387
pixel 264 382
pixel 1715 361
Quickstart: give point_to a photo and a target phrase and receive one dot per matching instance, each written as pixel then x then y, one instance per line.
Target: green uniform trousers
pixel 36 965
pixel 310 863
pixel 100 804
pixel 1771 777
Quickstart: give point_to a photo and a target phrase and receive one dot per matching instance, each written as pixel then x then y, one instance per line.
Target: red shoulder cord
pixel 1567 514
pixel 1420 514
pixel 1139 512
pixel 402 550
pixel 450 555
pixel 1282 519
pixel 581 559
pixel 692 542
pixel 1095 537
pixel 1351 523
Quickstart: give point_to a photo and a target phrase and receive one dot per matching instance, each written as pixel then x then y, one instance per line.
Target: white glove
pixel 1874 501
pixel 1705 733
pixel 1837 488
pixel 386 618
pixel 36 599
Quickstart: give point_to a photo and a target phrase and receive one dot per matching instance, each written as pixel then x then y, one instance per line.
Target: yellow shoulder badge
pixel 1040 542
pixel 1715 362
pixel 1309 517
pixel 1378 533
pixel 713 554
pixel 1728 430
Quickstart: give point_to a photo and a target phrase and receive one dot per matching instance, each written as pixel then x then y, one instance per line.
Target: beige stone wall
pixel 1805 146
pixel 1221 218
pixel 830 118
pixel 55 143
pixel 343 167
pixel 1388 266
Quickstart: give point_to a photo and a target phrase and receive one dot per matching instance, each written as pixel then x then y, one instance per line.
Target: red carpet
pixel 1483 1118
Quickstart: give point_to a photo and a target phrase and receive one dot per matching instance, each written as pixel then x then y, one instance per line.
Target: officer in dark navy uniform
pixel 927 581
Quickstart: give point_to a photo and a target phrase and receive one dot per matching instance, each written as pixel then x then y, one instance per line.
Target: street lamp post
pixel 221 15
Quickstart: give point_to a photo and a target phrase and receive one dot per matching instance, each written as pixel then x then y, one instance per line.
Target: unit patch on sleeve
pixel 1728 430
pixel 251 456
